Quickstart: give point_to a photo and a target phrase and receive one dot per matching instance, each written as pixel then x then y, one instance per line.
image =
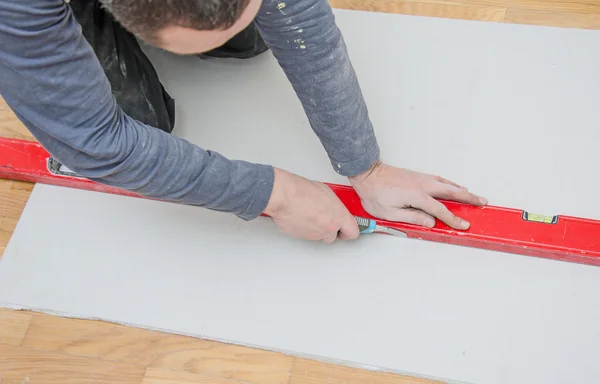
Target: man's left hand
pixel 402 195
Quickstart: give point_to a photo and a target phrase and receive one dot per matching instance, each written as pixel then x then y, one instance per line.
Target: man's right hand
pixel 309 210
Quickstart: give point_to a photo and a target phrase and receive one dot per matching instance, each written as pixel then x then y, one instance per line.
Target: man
pixel 56 84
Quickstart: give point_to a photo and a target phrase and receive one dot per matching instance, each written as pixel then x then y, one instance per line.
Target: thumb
pixel 349 230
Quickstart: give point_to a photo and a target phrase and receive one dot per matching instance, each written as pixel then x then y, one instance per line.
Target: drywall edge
pixel 318 358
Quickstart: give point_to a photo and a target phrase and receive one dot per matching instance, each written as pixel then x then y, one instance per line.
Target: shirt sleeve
pixel 311 50
pixel 51 78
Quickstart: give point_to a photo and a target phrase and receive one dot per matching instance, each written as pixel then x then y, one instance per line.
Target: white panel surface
pixel 510 111
pixel 450 97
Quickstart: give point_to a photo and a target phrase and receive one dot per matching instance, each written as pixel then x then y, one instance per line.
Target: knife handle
pixel 365 225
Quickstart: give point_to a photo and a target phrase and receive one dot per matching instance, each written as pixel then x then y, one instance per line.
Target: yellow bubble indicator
pixel 539 218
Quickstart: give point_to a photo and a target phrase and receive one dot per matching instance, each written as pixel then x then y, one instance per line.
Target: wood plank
pixel 10 125
pixel 21 186
pixel 313 372
pixel 432 9
pixel 30 366
pixel 13 197
pixel 13 326
pixel 557 6
pixel 228 362
pixel 465 3
pixel 94 339
pixel 552 18
pixel 579 6
pixel 7 227
pixel 472 9
pixel 158 350
pixel 161 376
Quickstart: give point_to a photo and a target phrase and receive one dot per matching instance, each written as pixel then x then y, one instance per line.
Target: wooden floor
pixel 37 348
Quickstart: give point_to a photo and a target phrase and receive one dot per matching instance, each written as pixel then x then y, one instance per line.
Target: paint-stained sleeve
pixel 310 48
pixel 52 80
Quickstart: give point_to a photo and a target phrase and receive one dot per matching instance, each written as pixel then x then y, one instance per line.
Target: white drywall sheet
pixel 510 111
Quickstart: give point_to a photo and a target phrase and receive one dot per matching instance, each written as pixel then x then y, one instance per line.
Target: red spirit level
pixel 563 238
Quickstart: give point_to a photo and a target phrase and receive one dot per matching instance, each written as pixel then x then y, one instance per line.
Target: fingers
pixel 349 230
pixel 449 192
pixel 410 216
pixel 439 210
pixel 330 238
pixel 446 181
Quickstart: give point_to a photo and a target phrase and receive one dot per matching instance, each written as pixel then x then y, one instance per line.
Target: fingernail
pixel 483 200
pixel 464 224
pixel 429 223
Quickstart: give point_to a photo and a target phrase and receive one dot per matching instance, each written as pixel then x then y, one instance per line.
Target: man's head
pixel 184 26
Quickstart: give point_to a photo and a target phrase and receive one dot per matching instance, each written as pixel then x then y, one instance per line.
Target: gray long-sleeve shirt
pixel 51 78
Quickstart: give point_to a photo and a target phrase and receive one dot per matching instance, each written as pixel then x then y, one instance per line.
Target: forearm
pixel 51 78
pixel 155 164
pixel 310 48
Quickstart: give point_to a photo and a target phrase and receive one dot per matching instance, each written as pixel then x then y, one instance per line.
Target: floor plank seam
pixel 291 369
pixel 26 331
pixel 144 375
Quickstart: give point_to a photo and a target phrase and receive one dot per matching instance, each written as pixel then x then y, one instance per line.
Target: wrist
pixel 277 198
pixel 360 178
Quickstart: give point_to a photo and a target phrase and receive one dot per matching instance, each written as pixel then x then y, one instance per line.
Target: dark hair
pixel 145 17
